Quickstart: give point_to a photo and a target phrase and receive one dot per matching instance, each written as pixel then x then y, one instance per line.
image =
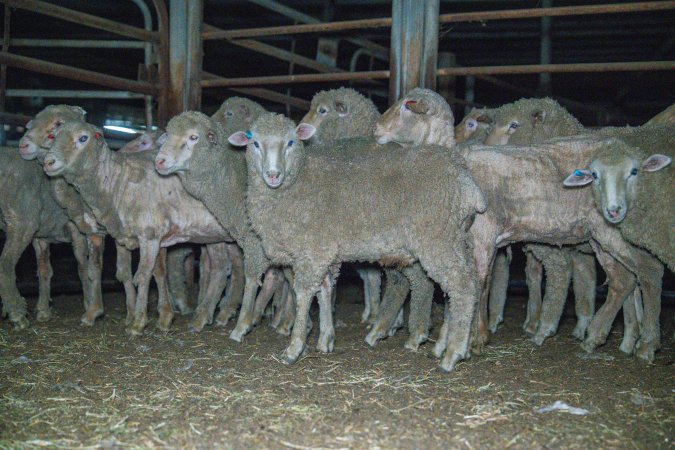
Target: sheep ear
pixel 484 118
pixel 305 131
pixel 341 109
pixel 655 162
pixel 212 137
pixel 239 139
pixel 417 106
pixel 79 110
pixel 29 125
pixel 162 139
pixel 579 177
pixel 538 116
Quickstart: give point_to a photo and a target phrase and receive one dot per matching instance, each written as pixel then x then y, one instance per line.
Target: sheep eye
pixel 58 123
pixel 229 113
pixel 83 138
pixel 594 174
pixel 634 171
pixel 471 124
pixel 255 143
pixel 322 110
pixel 194 137
pixel 290 143
pixel 514 125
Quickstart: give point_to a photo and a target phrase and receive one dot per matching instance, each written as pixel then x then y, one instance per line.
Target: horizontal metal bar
pixel 610 8
pixel 444 18
pixel 65 93
pixel 303 78
pixel 73 73
pixel 81 18
pixel 76 43
pixel 559 68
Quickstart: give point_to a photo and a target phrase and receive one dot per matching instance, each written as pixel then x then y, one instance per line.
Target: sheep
pixel 665 117
pixel 521 186
pixel 526 122
pixel 236 111
pixel 139 209
pixel 637 202
pixel 88 237
pixel 340 114
pixel 372 211
pixel 192 148
pixel 27 213
pixel 475 125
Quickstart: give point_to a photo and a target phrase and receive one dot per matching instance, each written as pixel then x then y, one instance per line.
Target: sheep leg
pixel 631 331
pixel 286 314
pixel 96 246
pixel 219 268
pixel 326 329
pixel 13 304
pixel 558 266
pixel 442 341
pixel 421 301
pixel 149 250
pixel 534 273
pixel 79 243
pixel 164 308
pixel 650 275
pixel 484 255
pixel 396 290
pixel 123 275
pixel 584 279
pixel 621 282
pixel 235 288
pixel 451 265
pixel 204 311
pixel 45 273
pixel 372 285
pixel 271 283
pixel 498 288
pixel 177 278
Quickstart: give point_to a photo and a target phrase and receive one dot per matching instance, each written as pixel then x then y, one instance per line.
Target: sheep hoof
pixel 284 330
pixel 326 342
pixel 627 346
pixel 198 322
pixel 224 317
pixel 90 317
pixel 135 329
pixel 579 333
pixel 129 320
pixel 645 351
pixel 164 323
pixel 538 340
pixel 20 323
pixel 530 328
pixel 438 349
pixel 237 335
pixel 374 337
pixel 588 346
pixel 449 362
pixel 44 315
pixel 414 341
pixel 493 327
pixel 295 350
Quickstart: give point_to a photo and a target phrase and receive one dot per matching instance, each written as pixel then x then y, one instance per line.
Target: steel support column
pixel 185 54
pixel 414 46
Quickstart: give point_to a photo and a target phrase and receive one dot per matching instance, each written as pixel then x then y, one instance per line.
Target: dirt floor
pixel 66 386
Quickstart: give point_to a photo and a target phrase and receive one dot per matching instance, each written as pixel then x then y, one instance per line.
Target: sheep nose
pixel 49 162
pixel 274 174
pixel 614 211
pixel 160 163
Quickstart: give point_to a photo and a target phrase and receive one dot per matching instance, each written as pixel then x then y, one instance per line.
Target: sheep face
pixel 237 110
pixel 146 141
pixel 404 123
pixel 68 154
pixel 41 131
pixel 274 154
pixel 477 119
pixel 179 144
pixel 502 132
pixel 323 108
pixel 614 178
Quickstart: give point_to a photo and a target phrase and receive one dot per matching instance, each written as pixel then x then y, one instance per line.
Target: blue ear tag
pixel 578 173
pixel 248 134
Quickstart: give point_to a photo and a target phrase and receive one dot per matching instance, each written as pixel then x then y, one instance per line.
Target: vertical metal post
pixel 185 54
pixel 3 67
pixel 446 84
pixel 195 52
pixel 414 46
pixel 469 93
pixel 545 50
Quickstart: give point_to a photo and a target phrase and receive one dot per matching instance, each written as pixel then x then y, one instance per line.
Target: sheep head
pixel 615 174
pixel 76 147
pixel 274 147
pixel 340 114
pixel 144 142
pixel 186 134
pixel 477 119
pixel 237 112
pixel 530 121
pixel 420 117
pixel 41 131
